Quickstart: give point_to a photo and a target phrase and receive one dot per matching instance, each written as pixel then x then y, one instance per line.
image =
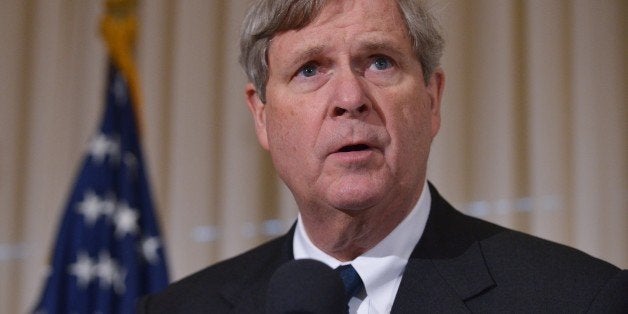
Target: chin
pixel 353 199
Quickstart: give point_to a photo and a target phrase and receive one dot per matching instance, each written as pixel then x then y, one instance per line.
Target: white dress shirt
pixel 382 266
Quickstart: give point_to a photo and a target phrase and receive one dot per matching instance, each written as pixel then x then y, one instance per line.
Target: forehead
pixel 368 23
pixel 347 12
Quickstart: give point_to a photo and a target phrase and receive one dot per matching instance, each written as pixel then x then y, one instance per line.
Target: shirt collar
pixel 380 267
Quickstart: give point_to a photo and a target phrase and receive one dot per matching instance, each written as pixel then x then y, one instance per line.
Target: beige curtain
pixel 534 130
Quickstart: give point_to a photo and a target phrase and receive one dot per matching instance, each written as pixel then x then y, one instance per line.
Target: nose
pixel 343 110
pixel 349 97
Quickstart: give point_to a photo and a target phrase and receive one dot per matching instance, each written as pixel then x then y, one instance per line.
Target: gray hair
pixel 266 18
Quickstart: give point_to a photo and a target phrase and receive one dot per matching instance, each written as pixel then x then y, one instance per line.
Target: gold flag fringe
pixel 119 30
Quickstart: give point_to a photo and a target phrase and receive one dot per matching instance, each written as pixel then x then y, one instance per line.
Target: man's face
pixel 348 119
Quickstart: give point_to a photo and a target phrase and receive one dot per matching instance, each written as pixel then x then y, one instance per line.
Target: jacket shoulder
pixel 216 287
pixel 525 271
pixel 532 268
pixel 528 253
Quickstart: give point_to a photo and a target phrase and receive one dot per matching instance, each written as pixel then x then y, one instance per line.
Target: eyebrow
pixel 380 45
pixel 301 55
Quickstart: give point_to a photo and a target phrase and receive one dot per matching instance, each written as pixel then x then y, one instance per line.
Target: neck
pixel 346 234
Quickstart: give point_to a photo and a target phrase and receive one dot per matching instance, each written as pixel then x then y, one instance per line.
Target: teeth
pixel 352 148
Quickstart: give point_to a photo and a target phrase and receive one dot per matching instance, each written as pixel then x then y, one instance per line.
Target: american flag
pixel 108 251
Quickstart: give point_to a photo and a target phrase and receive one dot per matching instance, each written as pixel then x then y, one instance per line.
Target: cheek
pixel 289 133
pixel 410 126
pixel 294 120
pixel 292 137
pixel 280 126
pixel 409 113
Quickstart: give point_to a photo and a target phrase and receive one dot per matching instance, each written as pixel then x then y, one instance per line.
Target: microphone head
pixel 305 286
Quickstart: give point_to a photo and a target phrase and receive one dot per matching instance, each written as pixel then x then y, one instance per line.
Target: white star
pixel 150 246
pixel 105 269
pixel 108 205
pixel 99 147
pixel 110 273
pixel 90 207
pixel 83 269
pixel 125 219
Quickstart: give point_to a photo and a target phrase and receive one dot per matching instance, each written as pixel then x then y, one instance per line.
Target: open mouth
pixel 353 148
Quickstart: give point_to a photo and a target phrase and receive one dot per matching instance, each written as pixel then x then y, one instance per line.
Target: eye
pixel 308 70
pixel 381 63
pixel 382 70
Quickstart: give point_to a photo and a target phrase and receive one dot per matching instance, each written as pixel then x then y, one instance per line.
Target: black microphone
pixel 305 286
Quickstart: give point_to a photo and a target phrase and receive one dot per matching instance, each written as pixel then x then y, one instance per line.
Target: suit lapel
pixel 423 290
pixel 446 267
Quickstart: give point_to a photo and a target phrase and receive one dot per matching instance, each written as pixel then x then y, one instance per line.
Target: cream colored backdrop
pixel 534 130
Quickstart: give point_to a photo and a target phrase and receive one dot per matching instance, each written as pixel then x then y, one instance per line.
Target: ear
pixel 258 110
pixel 435 88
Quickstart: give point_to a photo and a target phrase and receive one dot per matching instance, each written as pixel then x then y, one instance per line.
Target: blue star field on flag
pixel 108 251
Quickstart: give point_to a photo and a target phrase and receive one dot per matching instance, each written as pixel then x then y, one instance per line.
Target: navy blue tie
pixel 351 279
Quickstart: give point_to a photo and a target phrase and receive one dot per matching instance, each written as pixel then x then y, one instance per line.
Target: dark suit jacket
pixel 461 264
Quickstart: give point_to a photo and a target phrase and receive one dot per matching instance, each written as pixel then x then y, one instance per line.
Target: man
pixel 345 96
